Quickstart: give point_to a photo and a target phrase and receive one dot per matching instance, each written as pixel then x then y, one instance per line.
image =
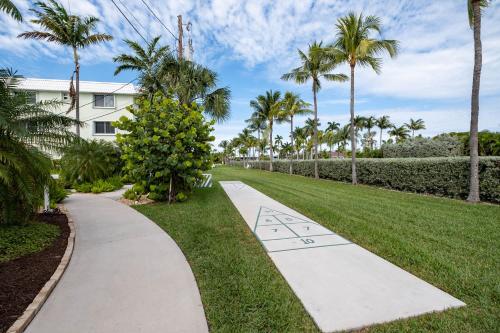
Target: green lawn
pixel 17 241
pixel 449 243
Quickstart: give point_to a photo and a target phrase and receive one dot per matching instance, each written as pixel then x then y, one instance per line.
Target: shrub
pixel 57 192
pixel 167 147
pixel 443 176
pixel 101 185
pixel 83 187
pixel 441 146
pixel 488 142
pixel 89 161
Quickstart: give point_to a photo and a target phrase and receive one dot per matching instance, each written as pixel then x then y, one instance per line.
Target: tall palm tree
pixel 224 144
pixel 343 134
pixel 11 9
pixel 474 9
pixel 278 143
pixel 74 31
pixel 400 133
pixel 146 61
pixel 300 137
pixel 415 125
pixel 294 106
pixel 383 123
pixel 370 123
pixel 317 64
pixel 192 82
pixel 355 46
pixel 257 123
pixel 268 106
pixel 311 130
pixel 27 132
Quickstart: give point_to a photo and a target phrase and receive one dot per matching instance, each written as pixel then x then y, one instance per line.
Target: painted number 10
pixel 307 241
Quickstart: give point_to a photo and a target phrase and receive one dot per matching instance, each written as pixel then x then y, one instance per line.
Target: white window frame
pixel 103 107
pixel 94 124
pixel 62 97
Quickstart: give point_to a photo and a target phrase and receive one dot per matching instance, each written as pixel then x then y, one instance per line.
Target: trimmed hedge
pixel 442 176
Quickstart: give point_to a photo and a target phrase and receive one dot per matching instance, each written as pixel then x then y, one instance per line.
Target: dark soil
pixel 21 279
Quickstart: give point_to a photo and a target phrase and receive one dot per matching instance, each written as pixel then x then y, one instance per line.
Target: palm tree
pixel 316 64
pixel 69 30
pixel 300 137
pixel 278 142
pixel 332 126
pixel 474 9
pixel 9 7
pixel 191 82
pixel 257 124
pixel 415 125
pixel 369 124
pixel 293 106
pixel 343 134
pixel 400 133
pixel 27 132
pixel 146 61
pixel 383 123
pixel 311 130
pixel 355 46
pixel 268 106
pixel 224 144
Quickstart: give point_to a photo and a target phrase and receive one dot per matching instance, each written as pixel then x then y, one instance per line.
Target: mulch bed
pixel 21 279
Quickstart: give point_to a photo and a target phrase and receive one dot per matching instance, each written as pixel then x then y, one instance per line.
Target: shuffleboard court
pixel 341 285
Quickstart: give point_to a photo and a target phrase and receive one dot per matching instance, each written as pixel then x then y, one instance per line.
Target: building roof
pixel 85 86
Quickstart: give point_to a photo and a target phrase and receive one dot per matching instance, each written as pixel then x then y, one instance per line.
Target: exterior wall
pixel 88 111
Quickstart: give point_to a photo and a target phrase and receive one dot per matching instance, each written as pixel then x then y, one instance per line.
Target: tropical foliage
pixel 9 7
pixel 166 147
pixel 441 146
pixel 317 64
pixel 89 161
pixel 27 133
pixel 355 45
pixel 62 28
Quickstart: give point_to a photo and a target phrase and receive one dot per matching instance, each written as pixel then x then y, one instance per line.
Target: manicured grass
pixel 449 243
pixel 17 241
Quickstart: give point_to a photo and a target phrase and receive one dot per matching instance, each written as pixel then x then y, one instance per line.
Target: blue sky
pixel 251 43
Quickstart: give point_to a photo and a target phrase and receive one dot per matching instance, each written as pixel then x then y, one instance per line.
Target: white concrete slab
pixel 341 285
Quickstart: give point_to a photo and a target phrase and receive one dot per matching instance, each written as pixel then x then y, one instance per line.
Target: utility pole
pixel 179 46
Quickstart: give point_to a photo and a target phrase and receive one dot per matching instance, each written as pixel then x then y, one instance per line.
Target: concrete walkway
pixel 342 285
pixel 126 275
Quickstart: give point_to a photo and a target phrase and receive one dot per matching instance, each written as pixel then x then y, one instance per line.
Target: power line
pixel 126 18
pixel 152 12
pixel 133 16
pixel 102 115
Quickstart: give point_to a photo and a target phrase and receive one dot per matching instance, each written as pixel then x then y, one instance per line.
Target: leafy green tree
pixel 317 64
pixel 383 123
pixel 415 125
pixel 166 147
pixel 11 9
pixel 355 46
pixel 191 82
pixel 268 107
pixel 27 132
pixel 474 8
pixel 146 61
pixel 89 161
pixel 74 31
pixel 293 106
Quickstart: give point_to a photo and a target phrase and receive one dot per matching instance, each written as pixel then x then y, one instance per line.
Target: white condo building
pixel 101 103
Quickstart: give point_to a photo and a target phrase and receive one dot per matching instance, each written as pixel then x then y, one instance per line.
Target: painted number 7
pixel 307 241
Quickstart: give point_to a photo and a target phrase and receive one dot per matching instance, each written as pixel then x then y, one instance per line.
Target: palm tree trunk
pixel 293 148
pixel 353 139
pixel 315 132
pixel 271 146
pixel 380 142
pixel 77 90
pixel 474 114
pixel 259 152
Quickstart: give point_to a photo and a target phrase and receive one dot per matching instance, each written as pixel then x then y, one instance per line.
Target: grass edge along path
pixel 448 243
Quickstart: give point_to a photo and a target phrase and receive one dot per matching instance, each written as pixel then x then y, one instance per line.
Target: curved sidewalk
pixel 126 275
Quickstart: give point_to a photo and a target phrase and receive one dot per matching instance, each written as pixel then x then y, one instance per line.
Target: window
pixel 104 101
pixel 103 127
